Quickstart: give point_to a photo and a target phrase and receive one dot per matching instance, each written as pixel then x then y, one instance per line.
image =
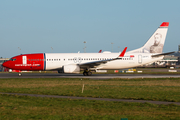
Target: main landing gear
pixel 87 73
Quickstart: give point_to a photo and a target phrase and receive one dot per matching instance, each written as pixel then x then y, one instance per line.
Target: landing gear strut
pixel 87 73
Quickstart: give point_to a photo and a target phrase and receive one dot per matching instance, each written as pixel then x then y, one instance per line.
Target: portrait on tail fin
pixel 157 47
pixel 156 41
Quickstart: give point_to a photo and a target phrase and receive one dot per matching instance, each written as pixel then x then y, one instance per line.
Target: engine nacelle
pixel 71 69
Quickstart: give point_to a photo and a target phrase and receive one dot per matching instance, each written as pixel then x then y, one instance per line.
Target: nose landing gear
pixel 19 74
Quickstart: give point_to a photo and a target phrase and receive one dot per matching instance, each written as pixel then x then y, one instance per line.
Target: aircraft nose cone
pixel 5 64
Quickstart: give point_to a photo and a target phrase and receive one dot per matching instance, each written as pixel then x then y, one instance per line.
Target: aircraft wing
pixel 162 54
pixel 96 63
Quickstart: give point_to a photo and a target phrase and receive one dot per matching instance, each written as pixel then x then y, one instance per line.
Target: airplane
pixel 87 62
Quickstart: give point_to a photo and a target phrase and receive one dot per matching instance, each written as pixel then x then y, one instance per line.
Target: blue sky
pixel 37 25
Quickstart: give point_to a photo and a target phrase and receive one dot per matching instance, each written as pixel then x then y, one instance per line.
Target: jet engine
pixel 71 69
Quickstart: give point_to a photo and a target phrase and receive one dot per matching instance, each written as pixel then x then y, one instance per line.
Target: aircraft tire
pixel 89 73
pixel 85 73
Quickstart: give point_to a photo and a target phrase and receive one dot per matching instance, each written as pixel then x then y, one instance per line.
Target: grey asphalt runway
pixel 94 76
pixel 90 98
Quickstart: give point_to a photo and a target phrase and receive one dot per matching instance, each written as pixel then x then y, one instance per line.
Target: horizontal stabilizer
pixel 157 55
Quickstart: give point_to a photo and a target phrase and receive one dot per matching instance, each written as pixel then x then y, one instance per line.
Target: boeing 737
pixel 87 62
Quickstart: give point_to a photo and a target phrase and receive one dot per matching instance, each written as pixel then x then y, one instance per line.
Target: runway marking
pixel 90 98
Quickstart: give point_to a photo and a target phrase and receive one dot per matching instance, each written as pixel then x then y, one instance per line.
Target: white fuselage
pixel 55 61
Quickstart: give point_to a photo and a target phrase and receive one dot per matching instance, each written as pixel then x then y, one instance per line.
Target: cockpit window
pixel 12 59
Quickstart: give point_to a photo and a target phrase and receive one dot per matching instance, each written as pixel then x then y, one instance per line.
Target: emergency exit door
pixel 24 59
pixel 139 59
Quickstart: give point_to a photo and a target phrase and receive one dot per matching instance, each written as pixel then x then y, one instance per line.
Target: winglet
pixel 123 52
pixel 100 51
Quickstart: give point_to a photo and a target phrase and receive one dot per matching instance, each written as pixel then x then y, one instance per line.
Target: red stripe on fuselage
pixel 31 62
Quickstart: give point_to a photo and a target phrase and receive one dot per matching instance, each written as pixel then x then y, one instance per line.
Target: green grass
pixel 23 107
pixel 161 89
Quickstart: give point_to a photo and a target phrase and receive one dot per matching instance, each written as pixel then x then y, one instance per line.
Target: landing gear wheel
pixel 85 73
pixel 89 73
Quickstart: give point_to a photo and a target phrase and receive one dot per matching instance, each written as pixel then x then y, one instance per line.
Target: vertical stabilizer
pixel 156 42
